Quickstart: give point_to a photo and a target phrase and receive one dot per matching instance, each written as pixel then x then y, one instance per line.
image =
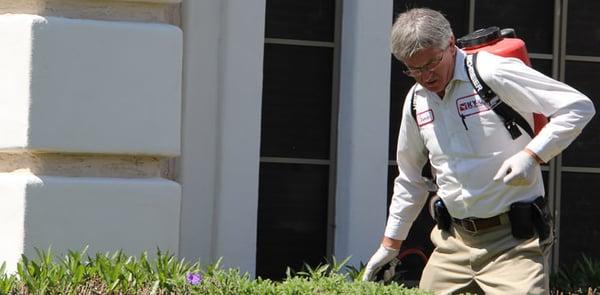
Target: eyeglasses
pixel 430 66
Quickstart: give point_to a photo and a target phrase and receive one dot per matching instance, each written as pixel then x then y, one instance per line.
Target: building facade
pixel 259 131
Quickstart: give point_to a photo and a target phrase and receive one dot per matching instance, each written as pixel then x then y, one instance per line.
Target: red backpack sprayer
pixel 502 43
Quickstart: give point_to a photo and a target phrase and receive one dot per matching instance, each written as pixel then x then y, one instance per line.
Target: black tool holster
pixel 528 218
pixel 441 215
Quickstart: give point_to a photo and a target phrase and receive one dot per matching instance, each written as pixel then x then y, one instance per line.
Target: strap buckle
pixel 512 128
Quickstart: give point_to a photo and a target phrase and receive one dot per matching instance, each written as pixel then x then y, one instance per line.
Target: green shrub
pixel 117 273
pixel 581 278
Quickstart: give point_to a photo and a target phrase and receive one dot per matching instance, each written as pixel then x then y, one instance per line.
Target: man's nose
pixel 426 74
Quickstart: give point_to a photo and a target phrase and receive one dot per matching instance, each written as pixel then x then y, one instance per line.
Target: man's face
pixel 433 68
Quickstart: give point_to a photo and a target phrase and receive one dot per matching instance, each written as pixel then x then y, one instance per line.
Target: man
pixel 489 182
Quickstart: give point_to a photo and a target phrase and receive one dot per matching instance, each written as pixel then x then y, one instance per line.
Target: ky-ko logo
pixel 470 105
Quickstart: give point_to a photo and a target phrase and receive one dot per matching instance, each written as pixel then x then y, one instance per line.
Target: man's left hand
pixel 519 169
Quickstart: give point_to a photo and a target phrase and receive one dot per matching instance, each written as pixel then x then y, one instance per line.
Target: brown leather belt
pixel 474 225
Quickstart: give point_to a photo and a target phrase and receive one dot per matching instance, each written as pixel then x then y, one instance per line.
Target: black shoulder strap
pixel 413 106
pixel 510 117
pixel 484 91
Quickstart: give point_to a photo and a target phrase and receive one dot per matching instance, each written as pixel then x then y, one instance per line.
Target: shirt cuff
pixel 397 232
pixel 542 147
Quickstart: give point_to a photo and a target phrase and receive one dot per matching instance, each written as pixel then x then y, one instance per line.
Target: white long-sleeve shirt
pixel 466 142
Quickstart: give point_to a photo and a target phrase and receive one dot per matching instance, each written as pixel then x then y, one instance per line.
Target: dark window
pixel 399 87
pixel 584 150
pixel 301 20
pixel 296 125
pixel 292 217
pixel 532 20
pixel 456 11
pixel 542 65
pixel 583 28
pixel 579 233
pixel 392 174
pixel 296 110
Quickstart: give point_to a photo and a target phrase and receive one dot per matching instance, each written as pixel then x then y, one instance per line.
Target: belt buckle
pixel 469 225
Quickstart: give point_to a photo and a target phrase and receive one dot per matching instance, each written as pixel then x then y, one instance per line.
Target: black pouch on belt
pixel 542 218
pixel 442 216
pixel 521 220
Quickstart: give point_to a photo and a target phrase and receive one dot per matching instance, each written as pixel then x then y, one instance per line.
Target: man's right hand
pixel 519 169
pixel 382 256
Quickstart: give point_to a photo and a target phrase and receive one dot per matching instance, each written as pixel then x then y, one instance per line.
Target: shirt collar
pixel 459 66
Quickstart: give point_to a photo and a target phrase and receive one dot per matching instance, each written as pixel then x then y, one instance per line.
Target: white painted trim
pixel 541 56
pixel 362 163
pixel 221 142
pixel 294 161
pixel 299 42
pixel 594 170
pixel 198 165
pixel 583 58
pixel 240 100
pixel 471 23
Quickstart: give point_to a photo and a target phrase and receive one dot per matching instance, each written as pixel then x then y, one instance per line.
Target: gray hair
pixel 419 28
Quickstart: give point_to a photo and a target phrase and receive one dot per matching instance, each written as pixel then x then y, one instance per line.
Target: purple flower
pixel 194 278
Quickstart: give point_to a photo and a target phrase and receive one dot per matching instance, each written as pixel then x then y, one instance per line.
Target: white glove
pixel 382 256
pixel 519 169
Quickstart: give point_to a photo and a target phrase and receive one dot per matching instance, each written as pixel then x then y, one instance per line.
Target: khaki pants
pixel 489 262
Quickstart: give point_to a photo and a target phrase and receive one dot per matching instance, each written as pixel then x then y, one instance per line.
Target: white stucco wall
pixel 362 164
pixel 12 216
pixel 89 93
pixel 149 11
pixel 90 86
pixel 15 74
pixel 106 214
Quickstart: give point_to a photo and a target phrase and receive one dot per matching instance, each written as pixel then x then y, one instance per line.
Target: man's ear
pixel 452 45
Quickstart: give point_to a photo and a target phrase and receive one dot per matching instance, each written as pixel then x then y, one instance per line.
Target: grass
pixel 117 273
